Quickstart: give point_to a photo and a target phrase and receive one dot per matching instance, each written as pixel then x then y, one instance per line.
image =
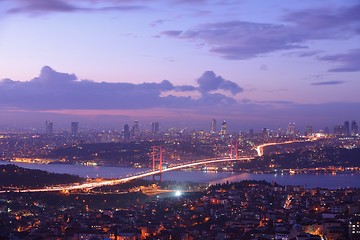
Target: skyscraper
pixel 223 128
pixel 346 128
pixel 326 130
pixel 136 130
pixel 251 133
pixel 265 132
pixel 126 132
pixel 339 130
pixel 291 129
pixel 354 128
pixel 155 127
pixel 49 127
pixel 309 130
pixel 74 128
pixel 213 126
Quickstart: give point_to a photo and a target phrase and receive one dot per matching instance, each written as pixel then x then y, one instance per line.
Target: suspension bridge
pixel 157 169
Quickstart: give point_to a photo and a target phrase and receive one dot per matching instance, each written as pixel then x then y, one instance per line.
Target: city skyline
pixel 254 64
pixel 347 128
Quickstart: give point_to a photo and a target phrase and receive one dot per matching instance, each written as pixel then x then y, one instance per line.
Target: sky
pixel 252 63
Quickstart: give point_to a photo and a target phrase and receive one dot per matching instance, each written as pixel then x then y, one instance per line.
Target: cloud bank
pixel 55 95
pixel 53 90
pixel 243 40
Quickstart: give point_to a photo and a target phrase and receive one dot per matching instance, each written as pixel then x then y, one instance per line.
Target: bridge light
pixel 177 194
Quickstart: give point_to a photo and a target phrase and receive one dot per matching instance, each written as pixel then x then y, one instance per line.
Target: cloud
pixel 350 61
pixel 48 6
pixel 53 90
pixel 303 53
pixel 243 40
pixel 53 6
pixel 171 33
pixel 328 83
pixel 43 6
pixel 157 23
pixel 238 39
pixel 326 18
pixel 209 82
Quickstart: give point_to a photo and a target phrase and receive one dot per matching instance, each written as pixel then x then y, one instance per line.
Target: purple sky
pixel 253 63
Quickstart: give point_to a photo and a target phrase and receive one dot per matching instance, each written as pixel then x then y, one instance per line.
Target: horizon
pixel 59 127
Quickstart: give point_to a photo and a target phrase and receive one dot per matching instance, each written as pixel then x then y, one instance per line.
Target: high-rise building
pixel 74 128
pixel 251 133
pixel 326 130
pixel 49 127
pixel 126 132
pixel 265 132
pixel 346 128
pixel 309 130
pixel 291 129
pixel 136 131
pixel 213 126
pixel 339 129
pixel 155 127
pixel 223 128
pixel 354 128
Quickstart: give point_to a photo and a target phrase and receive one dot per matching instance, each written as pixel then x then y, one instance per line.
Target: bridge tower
pixel 259 150
pixel 157 157
pixel 234 152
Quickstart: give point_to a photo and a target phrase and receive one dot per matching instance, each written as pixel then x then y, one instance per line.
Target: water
pixel 307 180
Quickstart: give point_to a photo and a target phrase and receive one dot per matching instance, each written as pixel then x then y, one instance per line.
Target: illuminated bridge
pixel 157 169
pixel 129 178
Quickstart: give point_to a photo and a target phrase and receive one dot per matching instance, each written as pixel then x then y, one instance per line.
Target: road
pixel 260 148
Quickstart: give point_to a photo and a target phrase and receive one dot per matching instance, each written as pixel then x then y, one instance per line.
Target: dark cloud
pixel 48 6
pixel 117 8
pixel 209 82
pixel 350 61
pixel 328 83
pixel 43 6
pixel 172 33
pixel 54 90
pixel 307 53
pixel 48 75
pixel 185 88
pixel 242 40
pixel 52 6
pixel 157 22
pixel 326 17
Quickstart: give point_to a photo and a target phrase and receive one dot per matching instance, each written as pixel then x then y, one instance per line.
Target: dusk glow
pixel 253 63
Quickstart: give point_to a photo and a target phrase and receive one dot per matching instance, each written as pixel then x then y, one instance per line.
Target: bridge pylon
pixel 234 152
pixel 157 157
